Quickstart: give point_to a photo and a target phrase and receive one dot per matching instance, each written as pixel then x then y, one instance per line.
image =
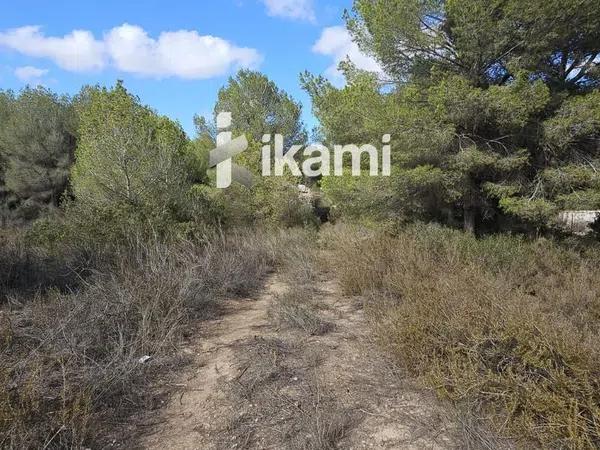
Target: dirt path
pixel 195 414
pixel 395 414
pixel 257 385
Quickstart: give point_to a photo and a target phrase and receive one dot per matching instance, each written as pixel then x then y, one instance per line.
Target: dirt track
pixel 254 385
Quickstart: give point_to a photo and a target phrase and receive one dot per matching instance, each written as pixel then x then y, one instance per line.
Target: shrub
pixel 26 269
pixel 297 308
pixel 70 367
pixel 297 305
pixel 508 328
pixel 132 165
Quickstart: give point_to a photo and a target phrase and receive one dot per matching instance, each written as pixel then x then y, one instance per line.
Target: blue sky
pixel 174 55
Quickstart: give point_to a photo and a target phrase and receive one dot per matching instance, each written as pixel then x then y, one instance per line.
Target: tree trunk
pixel 469 219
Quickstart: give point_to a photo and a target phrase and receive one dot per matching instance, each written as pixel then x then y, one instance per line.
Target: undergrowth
pixel 79 349
pixel 504 326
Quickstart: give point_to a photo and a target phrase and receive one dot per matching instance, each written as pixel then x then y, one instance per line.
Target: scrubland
pixel 78 327
pixel 506 328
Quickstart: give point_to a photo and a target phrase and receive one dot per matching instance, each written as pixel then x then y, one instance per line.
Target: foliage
pixel 484 94
pixel 575 127
pixel 37 141
pixel 271 202
pixel 482 322
pixel 259 107
pixel 71 356
pixel 131 164
pixel 486 42
pixel 6 100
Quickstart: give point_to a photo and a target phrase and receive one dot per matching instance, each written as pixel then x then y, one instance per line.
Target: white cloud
pixel 185 54
pixel 128 48
pixel 291 9
pixel 337 43
pixel 30 74
pixel 77 51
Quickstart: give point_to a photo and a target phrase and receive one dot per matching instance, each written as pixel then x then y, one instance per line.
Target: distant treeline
pixel 115 166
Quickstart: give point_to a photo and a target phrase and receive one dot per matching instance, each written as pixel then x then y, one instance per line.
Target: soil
pixel 256 384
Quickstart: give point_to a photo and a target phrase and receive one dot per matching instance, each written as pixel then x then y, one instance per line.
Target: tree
pixel 487 42
pixel 6 99
pixel 37 140
pixel 259 107
pixel 491 104
pixel 129 158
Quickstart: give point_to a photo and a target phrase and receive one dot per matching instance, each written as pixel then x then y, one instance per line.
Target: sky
pixel 175 55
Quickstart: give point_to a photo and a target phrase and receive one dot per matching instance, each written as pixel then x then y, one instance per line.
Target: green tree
pixel 129 160
pixel 37 140
pixel 486 41
pixel 259 107
pixel 492 107
pixel 6 99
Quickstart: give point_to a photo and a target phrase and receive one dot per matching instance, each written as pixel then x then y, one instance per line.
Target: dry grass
pixel 298 307
pixel 26 270
pixel 70 367
pixel 504 327
pixel 279 401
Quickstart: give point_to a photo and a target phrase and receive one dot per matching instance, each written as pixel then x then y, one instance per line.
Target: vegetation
pixel 493 111
pixel 112 245
pixel 114 240
pixel 298 307
pixel 129 161
pixel 259 107
pixel 74 359
pixel 37 141
pixel 481 100
pixel 504 327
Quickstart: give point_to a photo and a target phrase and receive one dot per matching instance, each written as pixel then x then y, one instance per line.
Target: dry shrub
pixel 476 433
pixel 506 326
pixel 27 270
pixel 325 422
pixel 297 256
pixel 70 367
pixel 297 307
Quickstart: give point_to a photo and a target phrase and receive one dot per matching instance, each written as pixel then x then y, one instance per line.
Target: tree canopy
pixel 492 107
pixel 259 107
pixel 37 139
pixel 128 157
pixel 487 42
